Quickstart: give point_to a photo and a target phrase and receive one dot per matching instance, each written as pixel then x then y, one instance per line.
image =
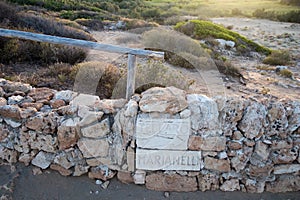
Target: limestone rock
pixel 57 103
pixel 125 177
pixel 207 143
pixel 97 130
pixel 43 160
pixel 286 169
pixel 173 182
pixel 85 100
pixel 28 112
pixel 35 123
pixel 164 100
pixel 65 95
pixel 260 172
pixel 26 158
pixel 3 101
pixel 284 183
pixel 10 86
pixel 262 150
pixel 208 182
pixel 12 123
pixel 80 170
pixel 61 170
pixel 62 160
pixel 240 160
pixel 124 126
pixel 4 132
pixel 101 172
pixel 88 117
pixel 11 112
pixel 46 143
pixel 254 186
pixel 234 145
pixel 293 115
pixel 216 164
pixel 284 156
pixel 13 100
pixel 139 177
pixel 67 136
pixel 110 106
pixel 277 118
pixel 41 94
pixel 93 147
pixel 254 120
pixel 37 106
pixel 230 185
pixel 231 112
pixel 282 144
pixel 204 115
pixel 8 155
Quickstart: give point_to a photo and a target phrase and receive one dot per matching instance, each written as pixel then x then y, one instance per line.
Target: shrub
pixel 14 51
pixel 93 24
pixel 277 58
pixel 95 78
pixel 286 73
pixel 200 29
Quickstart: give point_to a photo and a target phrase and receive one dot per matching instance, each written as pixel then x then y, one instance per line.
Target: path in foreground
pixel 51 185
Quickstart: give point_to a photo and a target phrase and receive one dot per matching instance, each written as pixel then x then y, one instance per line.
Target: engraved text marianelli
pixel 168 160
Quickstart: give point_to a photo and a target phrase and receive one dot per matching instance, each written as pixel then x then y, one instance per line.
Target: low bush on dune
pixel 200 29
pixel 19 51
pixel 278 58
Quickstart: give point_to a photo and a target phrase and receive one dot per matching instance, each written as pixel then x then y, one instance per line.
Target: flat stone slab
pixel 168 160
pixel 172 134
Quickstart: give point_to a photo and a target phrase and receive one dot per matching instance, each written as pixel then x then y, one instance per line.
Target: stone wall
pixel 164 138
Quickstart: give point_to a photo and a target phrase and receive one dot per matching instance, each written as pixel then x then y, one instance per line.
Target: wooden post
pixel 130 76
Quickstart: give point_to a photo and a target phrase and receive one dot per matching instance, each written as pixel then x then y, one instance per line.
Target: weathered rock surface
pixel 97 130
pixel 170 100
pixel 61 170
pixel 254 120
pixel 174 182
pixel 217 164
pixel 11 112
pixel 204 115
pixel 286 169
pixel 43 160
pixel 125 177
pixel 93 147
pixel 284 184
pixel 67 135
pixel 208 182
pixel 41 94
pixel 207 143
pixel 230 185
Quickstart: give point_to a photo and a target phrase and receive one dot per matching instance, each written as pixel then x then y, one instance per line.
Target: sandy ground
pixel 276 35
pixel 51 186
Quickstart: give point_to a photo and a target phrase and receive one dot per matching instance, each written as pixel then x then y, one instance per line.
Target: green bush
pixel 200 29
pixel 286 73
pixel 277 58
pixel 21 51
pixel 291 16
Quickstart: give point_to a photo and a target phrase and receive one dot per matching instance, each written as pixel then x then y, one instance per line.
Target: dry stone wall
pixel 163 138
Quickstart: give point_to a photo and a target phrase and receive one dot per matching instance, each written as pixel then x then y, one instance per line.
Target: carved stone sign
pixel 172 134
pixel 168 160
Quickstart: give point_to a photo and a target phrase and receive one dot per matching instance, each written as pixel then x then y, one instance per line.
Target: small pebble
pixel 98 182
pixel 167 194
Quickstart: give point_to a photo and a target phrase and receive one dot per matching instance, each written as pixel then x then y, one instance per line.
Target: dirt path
pixel 52 186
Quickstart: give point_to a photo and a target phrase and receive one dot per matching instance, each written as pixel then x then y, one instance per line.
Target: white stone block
pixel 172 134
